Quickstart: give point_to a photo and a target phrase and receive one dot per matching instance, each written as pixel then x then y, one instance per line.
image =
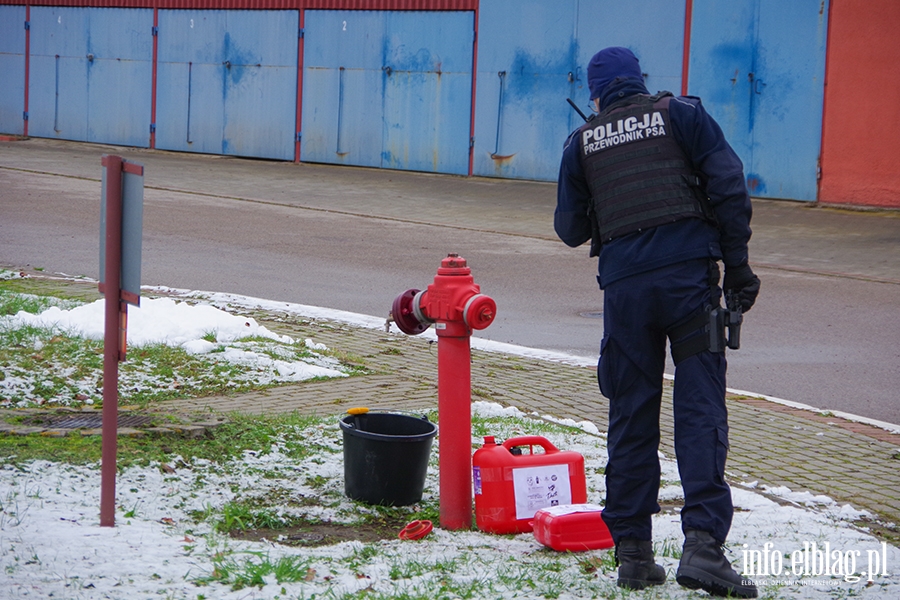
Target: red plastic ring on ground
pixel 415 530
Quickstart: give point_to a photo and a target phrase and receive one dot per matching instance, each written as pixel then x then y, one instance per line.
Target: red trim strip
pixel 686 52
pixel 133 168
pixel 27 66
pixel 266 4
pixel 820 175
pixel 472 109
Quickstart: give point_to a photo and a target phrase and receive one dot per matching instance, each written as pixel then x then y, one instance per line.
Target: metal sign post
pixel 121 219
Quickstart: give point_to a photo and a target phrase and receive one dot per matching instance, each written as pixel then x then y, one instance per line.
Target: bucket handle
pixel 412 413
pixel 359 418
pixel 531 440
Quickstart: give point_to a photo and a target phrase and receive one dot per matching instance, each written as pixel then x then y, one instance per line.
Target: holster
pixel 708 326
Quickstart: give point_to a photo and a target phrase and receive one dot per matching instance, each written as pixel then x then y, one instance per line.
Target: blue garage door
pixel 533 55
pixel 12 69
pixel 227 82
pixel 343 88
pixel 91 74
pixel 527 67
pixel 759 66
pixel 388 89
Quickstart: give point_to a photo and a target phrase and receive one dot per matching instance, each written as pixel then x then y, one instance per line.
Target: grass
pixel 504 427
pixel 240 516
pixel 59 369
pixel 13 302
pixel 48 366
pixel 228 441
pixel 254 569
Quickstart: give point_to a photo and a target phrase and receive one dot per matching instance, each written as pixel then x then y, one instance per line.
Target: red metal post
pixel 111 342
pixel 455 418
pixel 686 50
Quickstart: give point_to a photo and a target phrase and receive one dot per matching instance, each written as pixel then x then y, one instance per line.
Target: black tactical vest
pixel 638 175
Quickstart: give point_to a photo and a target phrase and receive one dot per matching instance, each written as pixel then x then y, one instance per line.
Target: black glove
pixel 743 283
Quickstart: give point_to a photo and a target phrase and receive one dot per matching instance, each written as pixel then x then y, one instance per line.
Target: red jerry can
pixel 511 486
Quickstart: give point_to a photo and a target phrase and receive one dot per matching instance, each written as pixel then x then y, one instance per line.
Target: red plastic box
pixel 572 528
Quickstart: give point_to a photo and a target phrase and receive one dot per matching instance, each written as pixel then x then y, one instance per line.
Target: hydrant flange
pixel 407 314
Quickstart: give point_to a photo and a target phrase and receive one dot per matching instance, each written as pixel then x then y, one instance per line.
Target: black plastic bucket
pixel 386 457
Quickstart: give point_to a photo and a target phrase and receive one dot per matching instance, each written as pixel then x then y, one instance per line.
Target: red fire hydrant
pixel 456 307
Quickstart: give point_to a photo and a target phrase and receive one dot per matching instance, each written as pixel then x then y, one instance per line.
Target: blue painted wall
pixel 759 66
pixel 12 69
pixel 533 54
pixel 428 91
pixel 343 87
pixel 526 53
pixel 652 29
pixel 91 74
pixel 393 89
pixel 227 82
pixel 388 89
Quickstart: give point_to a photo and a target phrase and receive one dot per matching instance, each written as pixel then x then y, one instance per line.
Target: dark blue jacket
pixel 702 140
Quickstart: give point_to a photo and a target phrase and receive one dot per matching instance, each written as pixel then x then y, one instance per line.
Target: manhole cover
pixel 91 421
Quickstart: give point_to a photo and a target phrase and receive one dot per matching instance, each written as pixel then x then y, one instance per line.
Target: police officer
pixel 661 194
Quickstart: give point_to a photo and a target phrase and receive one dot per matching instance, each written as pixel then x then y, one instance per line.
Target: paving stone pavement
pixel 771 444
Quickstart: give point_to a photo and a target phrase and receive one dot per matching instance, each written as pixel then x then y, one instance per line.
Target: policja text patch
pixel 623 131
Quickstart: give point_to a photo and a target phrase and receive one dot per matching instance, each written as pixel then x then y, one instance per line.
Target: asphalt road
pixel 824 331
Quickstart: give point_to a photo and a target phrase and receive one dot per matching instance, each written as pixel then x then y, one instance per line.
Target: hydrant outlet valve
pixel 479 311
pixel 407 313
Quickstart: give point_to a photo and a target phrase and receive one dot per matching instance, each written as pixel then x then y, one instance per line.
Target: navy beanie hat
pixel 609 64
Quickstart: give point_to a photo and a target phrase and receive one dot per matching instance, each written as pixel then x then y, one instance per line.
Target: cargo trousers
pixel 638 312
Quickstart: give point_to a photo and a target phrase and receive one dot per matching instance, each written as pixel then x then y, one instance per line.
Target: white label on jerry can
pixel 539 487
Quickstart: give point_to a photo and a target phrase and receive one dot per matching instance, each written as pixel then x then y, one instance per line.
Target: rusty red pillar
pixel 111 346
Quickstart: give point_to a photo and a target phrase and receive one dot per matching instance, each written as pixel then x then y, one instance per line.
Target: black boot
pixel 637 568
pixel 703 565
